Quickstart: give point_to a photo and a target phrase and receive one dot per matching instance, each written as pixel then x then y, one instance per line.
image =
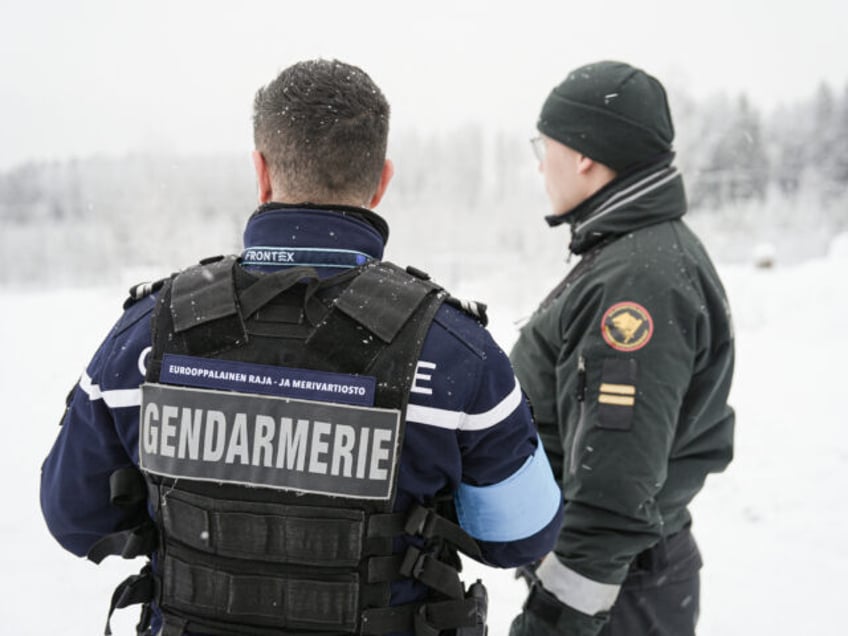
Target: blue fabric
pixel 515 508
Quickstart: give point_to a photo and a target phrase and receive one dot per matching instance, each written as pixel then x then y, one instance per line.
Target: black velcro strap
pixel 426 619
pixel 387 525
pixel 138 541
pixel 283 602
pixel 138 588
pixel 264 531
pixel 127 487
pixel 383 298
pixel 431 572
pixel 427 523
pixel 269 286
pixel 203 294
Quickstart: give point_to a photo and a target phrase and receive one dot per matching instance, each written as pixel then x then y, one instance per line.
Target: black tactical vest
pixel 271 425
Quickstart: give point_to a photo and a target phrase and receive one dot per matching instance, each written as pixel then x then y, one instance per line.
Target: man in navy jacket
pixel 320 133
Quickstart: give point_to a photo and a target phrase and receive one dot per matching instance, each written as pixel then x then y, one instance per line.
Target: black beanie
pixel 611 112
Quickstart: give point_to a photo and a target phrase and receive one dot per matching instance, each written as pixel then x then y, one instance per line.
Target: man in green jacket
pixel 627 363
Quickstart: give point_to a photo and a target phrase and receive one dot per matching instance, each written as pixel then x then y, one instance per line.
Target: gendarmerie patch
pixel 627 326
pixel 255 440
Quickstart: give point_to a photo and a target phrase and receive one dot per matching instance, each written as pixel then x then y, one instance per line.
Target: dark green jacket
pixel 628 365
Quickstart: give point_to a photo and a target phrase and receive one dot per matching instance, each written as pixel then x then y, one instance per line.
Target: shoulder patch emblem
pixel 627 326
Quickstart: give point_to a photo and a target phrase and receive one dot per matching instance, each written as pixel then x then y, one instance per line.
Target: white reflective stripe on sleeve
pixel 433 417
pixel 576 590
pixel 116 398
pixel 459 420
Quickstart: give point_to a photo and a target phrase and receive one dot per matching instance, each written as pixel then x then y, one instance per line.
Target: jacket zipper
pixel 581 421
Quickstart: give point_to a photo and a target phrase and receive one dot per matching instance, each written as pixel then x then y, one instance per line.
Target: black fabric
pixel 660 595
pixel 612 112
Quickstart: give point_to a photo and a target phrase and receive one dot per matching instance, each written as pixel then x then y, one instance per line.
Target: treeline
pixel 731 152
pixel 459 195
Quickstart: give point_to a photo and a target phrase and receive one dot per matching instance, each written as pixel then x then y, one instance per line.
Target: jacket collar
pixel 330 238
pixel 635 199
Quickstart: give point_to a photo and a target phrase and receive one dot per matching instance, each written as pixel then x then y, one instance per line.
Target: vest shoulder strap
pixel 203 293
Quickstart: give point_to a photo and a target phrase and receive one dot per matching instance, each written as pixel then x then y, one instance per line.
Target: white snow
pixel 772 528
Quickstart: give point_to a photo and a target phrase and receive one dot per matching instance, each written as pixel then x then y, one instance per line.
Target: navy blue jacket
pixel 469 428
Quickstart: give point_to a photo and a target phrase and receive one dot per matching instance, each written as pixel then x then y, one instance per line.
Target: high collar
pixel 327 228
pixel 639 198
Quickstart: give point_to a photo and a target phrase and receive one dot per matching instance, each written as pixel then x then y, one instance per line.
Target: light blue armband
pixel 516 508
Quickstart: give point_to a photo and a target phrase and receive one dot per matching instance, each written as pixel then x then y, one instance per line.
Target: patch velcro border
pixel 323 448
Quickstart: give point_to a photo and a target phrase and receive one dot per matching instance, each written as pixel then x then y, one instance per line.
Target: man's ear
pixel 385 177
pixel 263 178
pixel 584 164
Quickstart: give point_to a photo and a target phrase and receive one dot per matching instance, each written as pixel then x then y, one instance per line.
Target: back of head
pixel 611 112
pixel 322 127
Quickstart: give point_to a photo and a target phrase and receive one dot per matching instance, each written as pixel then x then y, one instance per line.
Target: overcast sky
pixel 111 76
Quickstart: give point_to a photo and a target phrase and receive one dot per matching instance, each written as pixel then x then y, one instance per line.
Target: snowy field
pixel 772 528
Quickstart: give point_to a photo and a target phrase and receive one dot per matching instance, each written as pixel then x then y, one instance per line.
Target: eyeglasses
pixel 538 145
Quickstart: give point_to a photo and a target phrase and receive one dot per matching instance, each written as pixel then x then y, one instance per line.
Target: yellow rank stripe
pixel 617 394
pixel 621 389
pixel 620 400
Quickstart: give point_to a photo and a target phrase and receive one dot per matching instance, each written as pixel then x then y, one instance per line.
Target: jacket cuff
pixel 571 588
pixel 545 615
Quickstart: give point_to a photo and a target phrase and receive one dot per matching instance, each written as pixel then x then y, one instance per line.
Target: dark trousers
pixel 661 594
pixel 659 597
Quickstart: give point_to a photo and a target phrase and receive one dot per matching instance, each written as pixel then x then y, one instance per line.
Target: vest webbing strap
pixel 269 286
pixel 265 531
pixel 383 299
pixel 208 287
pixel 138 541
pixel 273 601
pixel 127 489
pixel 427 523
pixel 432 572
pixel 138 588
pixel 425 620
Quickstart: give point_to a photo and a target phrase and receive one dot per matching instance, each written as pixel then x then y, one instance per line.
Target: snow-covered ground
pixel 772 528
